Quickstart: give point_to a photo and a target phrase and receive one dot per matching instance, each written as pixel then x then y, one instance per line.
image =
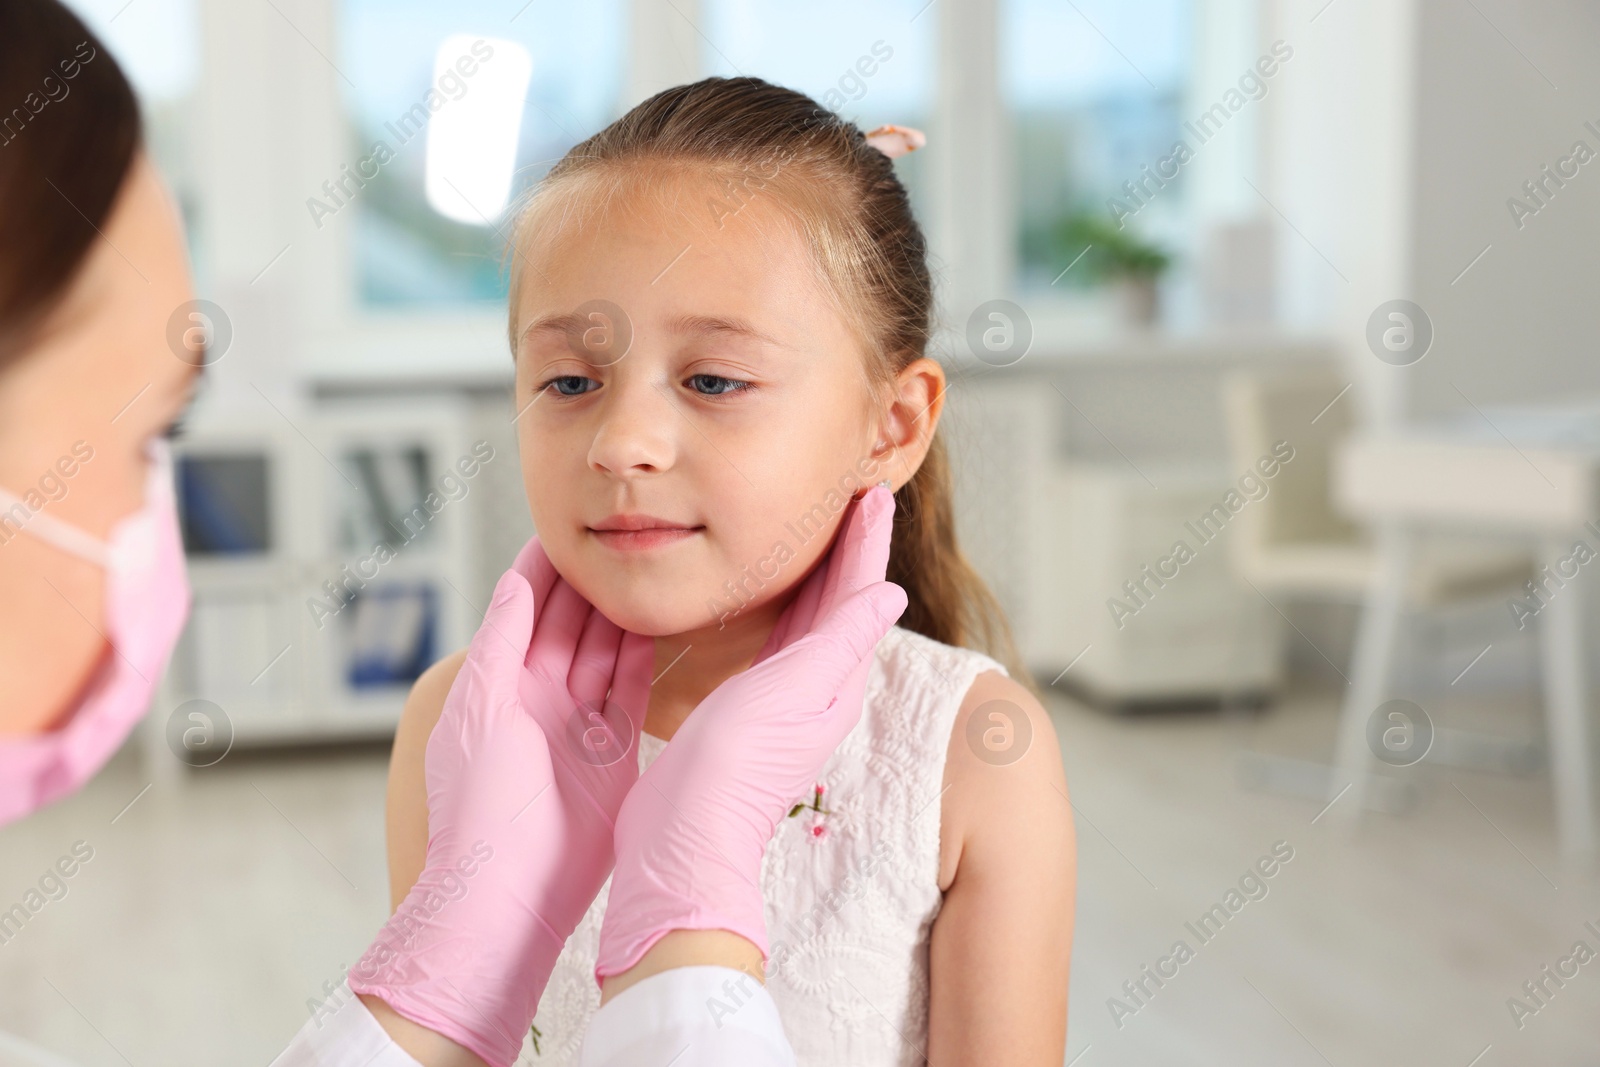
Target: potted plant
pixel 1118 257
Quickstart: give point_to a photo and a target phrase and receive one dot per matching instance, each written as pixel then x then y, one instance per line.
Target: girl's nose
pixel 637 430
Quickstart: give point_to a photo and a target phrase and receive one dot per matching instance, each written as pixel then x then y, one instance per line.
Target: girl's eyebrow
pixel 718 324
pixel 561 325
pixel 571 323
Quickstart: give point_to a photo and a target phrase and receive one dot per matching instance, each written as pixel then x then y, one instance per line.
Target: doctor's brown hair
pixel 853 212
pixel 69 129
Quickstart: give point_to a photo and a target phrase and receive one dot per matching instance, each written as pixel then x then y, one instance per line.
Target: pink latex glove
pixel 525 774
pixel 691 834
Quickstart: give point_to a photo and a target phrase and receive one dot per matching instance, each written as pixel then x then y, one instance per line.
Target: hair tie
pixel 894 141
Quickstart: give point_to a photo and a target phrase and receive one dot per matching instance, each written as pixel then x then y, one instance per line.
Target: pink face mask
pixel 147 602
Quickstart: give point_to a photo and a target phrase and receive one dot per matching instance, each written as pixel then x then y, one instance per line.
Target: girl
pixel 720 306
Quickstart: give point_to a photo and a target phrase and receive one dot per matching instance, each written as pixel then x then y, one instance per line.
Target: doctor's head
pixel 92 267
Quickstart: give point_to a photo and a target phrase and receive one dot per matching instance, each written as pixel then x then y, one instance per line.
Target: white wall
pixel 1338 140
pixel 1401 128
pixel 1520 325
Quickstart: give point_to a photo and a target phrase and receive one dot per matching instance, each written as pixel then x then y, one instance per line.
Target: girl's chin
pixel 668 605
pixel 652 621
pixel 657 619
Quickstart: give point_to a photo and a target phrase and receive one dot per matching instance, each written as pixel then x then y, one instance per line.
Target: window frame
pixel 270 109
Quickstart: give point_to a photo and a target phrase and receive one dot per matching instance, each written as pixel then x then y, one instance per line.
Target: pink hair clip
pixel 894 141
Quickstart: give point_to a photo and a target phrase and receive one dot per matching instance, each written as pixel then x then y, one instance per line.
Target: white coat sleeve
pixel 347 1037
pixel 689 1017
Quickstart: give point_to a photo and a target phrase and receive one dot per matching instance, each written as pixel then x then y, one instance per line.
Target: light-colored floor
pixel 209 916
pixel 1397 946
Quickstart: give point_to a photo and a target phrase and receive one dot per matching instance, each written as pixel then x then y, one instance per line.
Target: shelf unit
pixel 303 628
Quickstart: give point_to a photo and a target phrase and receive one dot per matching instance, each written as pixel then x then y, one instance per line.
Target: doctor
pixel 93 596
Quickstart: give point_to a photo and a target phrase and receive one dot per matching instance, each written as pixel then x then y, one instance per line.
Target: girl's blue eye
pixel 717 386
pixel 564 381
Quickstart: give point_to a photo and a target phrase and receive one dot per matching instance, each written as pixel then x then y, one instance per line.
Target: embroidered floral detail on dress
pixel 814 806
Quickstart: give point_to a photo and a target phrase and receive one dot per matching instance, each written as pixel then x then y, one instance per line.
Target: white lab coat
pixel 666 1018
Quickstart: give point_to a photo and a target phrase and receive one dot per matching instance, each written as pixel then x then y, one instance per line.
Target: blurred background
pixel 1273 426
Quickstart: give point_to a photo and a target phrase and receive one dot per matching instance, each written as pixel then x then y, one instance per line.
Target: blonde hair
pixel 855 217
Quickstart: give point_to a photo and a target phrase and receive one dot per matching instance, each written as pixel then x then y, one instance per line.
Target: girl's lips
pixel 640 540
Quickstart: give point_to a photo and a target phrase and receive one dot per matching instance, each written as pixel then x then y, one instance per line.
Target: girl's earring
pixel 879 447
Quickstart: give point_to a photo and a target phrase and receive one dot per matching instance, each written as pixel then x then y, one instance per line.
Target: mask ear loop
pixel 63 535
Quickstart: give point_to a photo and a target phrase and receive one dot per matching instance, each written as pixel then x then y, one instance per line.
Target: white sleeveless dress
pixel 851 895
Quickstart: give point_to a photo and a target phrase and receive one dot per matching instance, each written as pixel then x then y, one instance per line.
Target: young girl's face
pixel 708 386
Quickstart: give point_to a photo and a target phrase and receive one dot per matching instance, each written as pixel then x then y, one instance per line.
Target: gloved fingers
pixel 487 677
pixel 556 631
pixel 834 566
pixel 842 641
pixel 496 653
pixel 797 618
pixel 600 736
pixel 631 681
pixel 515 799
pixel 534 565
pixel 843 712
pixel 860 553
pixel 775 638
pixel 594 659
pixel 858 557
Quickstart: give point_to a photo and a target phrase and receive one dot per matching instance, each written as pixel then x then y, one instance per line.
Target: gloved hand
pixel 691 833
pixel 525 772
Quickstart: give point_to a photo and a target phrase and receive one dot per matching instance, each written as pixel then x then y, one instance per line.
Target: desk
pixel 1531 472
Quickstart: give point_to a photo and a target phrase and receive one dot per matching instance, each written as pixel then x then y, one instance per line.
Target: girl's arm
pixel 406 806
pixel 1002 942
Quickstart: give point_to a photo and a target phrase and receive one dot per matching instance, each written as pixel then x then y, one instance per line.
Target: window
pixel 156 42
pixel 412 248
pixel 1095 89
pixel 157 45
pixel 871 63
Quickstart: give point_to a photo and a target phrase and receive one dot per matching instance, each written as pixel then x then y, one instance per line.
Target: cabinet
pixel 1056 537
pixel 332 558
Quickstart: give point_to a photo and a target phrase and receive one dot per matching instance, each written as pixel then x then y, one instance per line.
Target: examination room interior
pixel 1270 421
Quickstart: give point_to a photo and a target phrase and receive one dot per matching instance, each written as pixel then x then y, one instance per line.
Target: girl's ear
pixel 906 433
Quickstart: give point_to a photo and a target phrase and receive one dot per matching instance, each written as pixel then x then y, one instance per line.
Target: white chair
pixel 1293 544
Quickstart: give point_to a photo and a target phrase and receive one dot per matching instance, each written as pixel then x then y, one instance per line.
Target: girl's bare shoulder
pixel 1005 790
pixel 425 702
pixel 406 803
